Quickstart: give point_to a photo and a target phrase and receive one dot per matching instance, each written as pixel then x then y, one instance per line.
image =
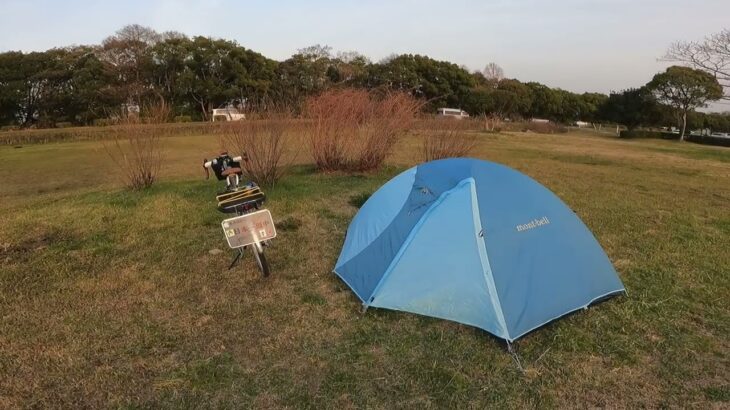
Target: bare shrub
pixel 447 143
pixel 355 130
pixel 335 117
pixel 136 149
pixel 159 113
pixel 389 117
pixel 492 123
pixel 263 141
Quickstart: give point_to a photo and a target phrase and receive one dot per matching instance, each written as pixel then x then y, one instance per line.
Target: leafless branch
pixel 712 55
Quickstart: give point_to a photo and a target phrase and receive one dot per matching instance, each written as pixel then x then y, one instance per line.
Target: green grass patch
pixel 112 298
pixel 692 151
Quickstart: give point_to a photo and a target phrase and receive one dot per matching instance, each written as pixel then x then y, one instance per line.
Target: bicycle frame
pixel 241 200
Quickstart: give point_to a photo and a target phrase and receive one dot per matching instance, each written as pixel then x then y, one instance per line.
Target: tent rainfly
pixel 477 243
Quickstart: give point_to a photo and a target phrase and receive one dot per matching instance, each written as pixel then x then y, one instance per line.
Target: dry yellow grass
pixel 109 298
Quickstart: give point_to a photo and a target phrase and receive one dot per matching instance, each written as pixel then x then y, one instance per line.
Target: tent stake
pixel 513 352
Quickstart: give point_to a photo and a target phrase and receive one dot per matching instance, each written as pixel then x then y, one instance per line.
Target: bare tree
pixel 390 57
pixel 316 52
pixel 711 55
pixel 352 57
pixel 136 32
pixel 493 73
pixel 172 35
pixel 127 53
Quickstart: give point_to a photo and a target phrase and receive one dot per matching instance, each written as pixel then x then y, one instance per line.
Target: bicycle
pixel 253 226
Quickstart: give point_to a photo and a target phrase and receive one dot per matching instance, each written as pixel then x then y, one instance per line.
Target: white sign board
pixel 249 228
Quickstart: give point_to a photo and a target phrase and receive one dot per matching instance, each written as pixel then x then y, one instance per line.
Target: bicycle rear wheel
pixel 261 261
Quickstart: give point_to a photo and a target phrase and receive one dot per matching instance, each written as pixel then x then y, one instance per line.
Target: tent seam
pixel 484 258
pixel 409 238
pixel 348 284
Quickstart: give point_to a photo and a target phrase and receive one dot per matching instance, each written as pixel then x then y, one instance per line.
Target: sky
pixel 577 45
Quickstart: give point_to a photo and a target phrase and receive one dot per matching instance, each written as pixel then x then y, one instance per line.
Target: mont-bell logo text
pixel 533 224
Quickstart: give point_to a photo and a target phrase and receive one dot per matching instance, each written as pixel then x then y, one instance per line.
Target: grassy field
pixel 111 298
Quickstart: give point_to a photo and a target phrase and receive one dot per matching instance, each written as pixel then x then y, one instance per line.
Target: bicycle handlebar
pixel 208 164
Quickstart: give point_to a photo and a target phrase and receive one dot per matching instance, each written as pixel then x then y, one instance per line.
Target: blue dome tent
pixel 477 243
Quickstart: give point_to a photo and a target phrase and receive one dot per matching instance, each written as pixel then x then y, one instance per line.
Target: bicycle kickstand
pixel 239 253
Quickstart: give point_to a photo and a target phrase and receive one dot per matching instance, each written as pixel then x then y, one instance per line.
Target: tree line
pixel 138 66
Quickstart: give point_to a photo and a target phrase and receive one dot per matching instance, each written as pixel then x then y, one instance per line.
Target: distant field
pixel 110 298
pixel 69 134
